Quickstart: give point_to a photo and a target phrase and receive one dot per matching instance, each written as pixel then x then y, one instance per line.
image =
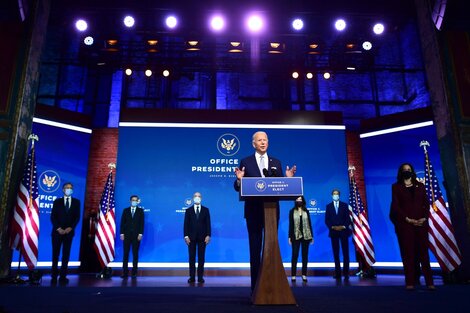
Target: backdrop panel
pixel 61 156
pixel 382 155
pixel 166 165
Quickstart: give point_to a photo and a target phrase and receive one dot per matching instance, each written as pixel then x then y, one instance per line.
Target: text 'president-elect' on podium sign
pixel 277 188
pixel 272 287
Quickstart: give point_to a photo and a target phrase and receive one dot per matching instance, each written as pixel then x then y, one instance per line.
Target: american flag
pixel 361 230
pixel 106 225
pixel 441 233
pixel 25 222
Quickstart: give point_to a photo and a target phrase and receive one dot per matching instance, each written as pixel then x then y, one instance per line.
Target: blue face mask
pixel 68 191
pixel 335 197
pixel 197 200
pixel 134 203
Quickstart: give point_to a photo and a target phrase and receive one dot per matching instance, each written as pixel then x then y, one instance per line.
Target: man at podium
pixel 258 165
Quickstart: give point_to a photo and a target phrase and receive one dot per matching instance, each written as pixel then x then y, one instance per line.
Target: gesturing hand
pixel 240 172
pixel 290 172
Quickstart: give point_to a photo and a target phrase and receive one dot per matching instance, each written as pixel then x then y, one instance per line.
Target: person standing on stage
pixel 65 216
pixel 300 234
pixel 338 221
pixel 197 234
pixel 258 164
pixel 410 211
pixel 131 230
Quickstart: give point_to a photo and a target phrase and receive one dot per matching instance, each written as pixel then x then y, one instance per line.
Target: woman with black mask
pixel 410 211
pixel 300 234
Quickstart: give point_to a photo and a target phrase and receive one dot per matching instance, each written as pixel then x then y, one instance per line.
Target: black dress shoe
pixel 53 280
pixel 200 280
pixel 191 280
pixel 63 280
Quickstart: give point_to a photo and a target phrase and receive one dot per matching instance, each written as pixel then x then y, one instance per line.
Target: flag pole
pixel 425 144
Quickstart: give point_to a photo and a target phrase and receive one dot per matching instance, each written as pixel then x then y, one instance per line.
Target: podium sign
pixel 272 287
pixel 280 188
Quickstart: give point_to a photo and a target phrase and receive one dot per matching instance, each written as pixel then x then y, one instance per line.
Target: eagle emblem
pixel 228 145
pixel 49 181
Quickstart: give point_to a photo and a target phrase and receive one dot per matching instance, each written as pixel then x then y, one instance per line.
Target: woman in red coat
pixel 409 212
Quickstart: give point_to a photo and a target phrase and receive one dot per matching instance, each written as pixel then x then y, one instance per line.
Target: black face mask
pixel 298 204
pixel 407 174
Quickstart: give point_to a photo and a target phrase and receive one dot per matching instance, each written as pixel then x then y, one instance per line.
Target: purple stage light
pixel 81 25
pixel 217 23
pixel 297 24
pixel 171 22
pixel 129 21
pixel 255 23
pixel 378 28
pixel 340 24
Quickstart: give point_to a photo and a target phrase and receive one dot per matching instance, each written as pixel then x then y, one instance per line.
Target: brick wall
pixel 354 152
pixel 103 150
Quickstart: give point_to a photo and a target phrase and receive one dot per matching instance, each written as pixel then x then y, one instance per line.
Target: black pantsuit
pixel 295 255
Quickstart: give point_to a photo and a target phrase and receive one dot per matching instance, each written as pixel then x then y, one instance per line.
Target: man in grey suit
pixel 197 234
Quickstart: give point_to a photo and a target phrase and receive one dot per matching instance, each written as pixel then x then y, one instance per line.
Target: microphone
pixel 273 172
pixel 265 172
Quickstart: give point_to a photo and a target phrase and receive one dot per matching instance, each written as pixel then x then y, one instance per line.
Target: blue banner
pixel 165 165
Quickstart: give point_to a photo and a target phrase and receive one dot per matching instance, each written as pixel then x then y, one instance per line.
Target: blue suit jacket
pixel 340 219
pixel 254 208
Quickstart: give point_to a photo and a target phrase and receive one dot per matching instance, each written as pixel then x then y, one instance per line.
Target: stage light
pixel 309 75
pixel 367 45
pixel 148 73
pixel 255 23
pixel 171 22
pixel 217 23
pixel 128 72
pixel 378 28
pixel 88 40
pixel 276 48
pixel 81 25
pixel 295 75
pixel 326 75
pixel 350 68
pixel 193 45
pixel 152 45
pixel 235 47
pixel 166 73
pixel 129 21
pixel 313 48
pixel 112 45
pixel 297 24
pixel 340 25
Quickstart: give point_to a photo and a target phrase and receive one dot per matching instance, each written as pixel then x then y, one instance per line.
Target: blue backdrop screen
pixel 61 156
pixel 166 165
pixel 382 155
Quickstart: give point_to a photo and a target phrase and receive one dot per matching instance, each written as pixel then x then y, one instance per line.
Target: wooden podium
pixel 272 287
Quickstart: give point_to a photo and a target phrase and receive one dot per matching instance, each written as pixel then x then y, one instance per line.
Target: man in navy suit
pixel 131 230
pixel 338 221
pixel 197 234
pixel 65 216
pixel 258 165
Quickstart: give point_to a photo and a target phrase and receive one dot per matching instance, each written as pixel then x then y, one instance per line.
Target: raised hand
pixel 290 172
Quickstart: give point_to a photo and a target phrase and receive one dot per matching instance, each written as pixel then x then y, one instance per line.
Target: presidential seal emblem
pixel 260 185
pixel 228 144
pixel 49 181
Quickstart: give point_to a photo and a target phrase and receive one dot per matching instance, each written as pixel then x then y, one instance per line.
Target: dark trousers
pixel 255 240
pixel 128 242
pixel 295 255
pixel 414 247
pixel 200 245
pixel 335 241
pixel 58 241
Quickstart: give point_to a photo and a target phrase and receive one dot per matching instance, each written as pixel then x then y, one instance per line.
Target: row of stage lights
pixel 254 23
pixel 295 74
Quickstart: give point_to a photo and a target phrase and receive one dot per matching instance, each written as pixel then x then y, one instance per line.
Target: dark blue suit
pixel 131 227
pixel 340 219
pixel 197 228
pixel 254 211
pixel 63 218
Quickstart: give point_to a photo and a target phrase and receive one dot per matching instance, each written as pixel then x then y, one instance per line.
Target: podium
pixel 272 286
